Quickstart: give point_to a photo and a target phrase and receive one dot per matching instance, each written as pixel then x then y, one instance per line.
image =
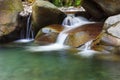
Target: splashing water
pixel 86 50
pixel 86 46
pixel 52 47
pixel 29 33
pixel 70 23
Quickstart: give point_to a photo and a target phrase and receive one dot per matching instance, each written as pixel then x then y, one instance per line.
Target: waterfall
pixel 29 35
pixel 29 31
pixel 61 38
pixel 71 21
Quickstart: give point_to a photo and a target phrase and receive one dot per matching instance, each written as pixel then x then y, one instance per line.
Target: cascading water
pixel 29 31
pixel 70 22
pixel 29 36
pixel 86 50
pixel 86 46
pixel 56 46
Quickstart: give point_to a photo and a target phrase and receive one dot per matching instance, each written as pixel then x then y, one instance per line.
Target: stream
pixel 16 63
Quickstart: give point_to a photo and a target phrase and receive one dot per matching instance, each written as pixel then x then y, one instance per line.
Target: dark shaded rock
pixel 45 13
pixel 110 7
pixel 93 9
pixel 84 14
pixel 101 9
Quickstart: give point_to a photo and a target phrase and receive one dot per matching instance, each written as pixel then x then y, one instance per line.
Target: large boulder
pixel 9 10
pixel 75 38
pixel 110 35
pixel 100 9
pixel 45 13
pixel 83 34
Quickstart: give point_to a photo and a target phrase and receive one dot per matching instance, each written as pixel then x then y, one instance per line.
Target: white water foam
pixel 70 19
pixel 52 47
pixel 59 45
pixel 29 36
pixel 23 40
pixel 86 50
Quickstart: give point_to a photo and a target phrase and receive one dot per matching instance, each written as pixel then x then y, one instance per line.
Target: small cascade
pixel 68 20
pixel 29 31
pixel 86 46
pixel 61 38
pixel 71 20
pixel 69 23
pixel 29 35
pixel 52 47
pixel 86 50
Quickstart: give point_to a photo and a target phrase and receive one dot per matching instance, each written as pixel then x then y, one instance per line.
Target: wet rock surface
pixel 83 34
pixel 76 36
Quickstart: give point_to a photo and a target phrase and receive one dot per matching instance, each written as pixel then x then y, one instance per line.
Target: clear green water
pixel 18 64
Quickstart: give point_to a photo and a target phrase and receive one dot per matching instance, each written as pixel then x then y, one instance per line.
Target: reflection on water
pixel 18 64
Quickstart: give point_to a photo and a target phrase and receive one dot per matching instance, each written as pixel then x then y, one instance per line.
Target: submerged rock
pixel 45 13
pixel 9 10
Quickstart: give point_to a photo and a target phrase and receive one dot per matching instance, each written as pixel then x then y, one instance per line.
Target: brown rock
pixel 76 36
pixel 48 34
pixel 83 34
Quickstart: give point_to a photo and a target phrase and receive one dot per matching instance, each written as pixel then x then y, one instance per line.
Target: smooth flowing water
pixel 29 35
pixel 16 63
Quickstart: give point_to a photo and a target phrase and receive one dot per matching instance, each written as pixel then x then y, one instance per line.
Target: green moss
pixel 60 3
pixel 11 5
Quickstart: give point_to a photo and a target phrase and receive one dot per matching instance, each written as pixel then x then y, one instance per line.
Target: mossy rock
pixel 9 11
